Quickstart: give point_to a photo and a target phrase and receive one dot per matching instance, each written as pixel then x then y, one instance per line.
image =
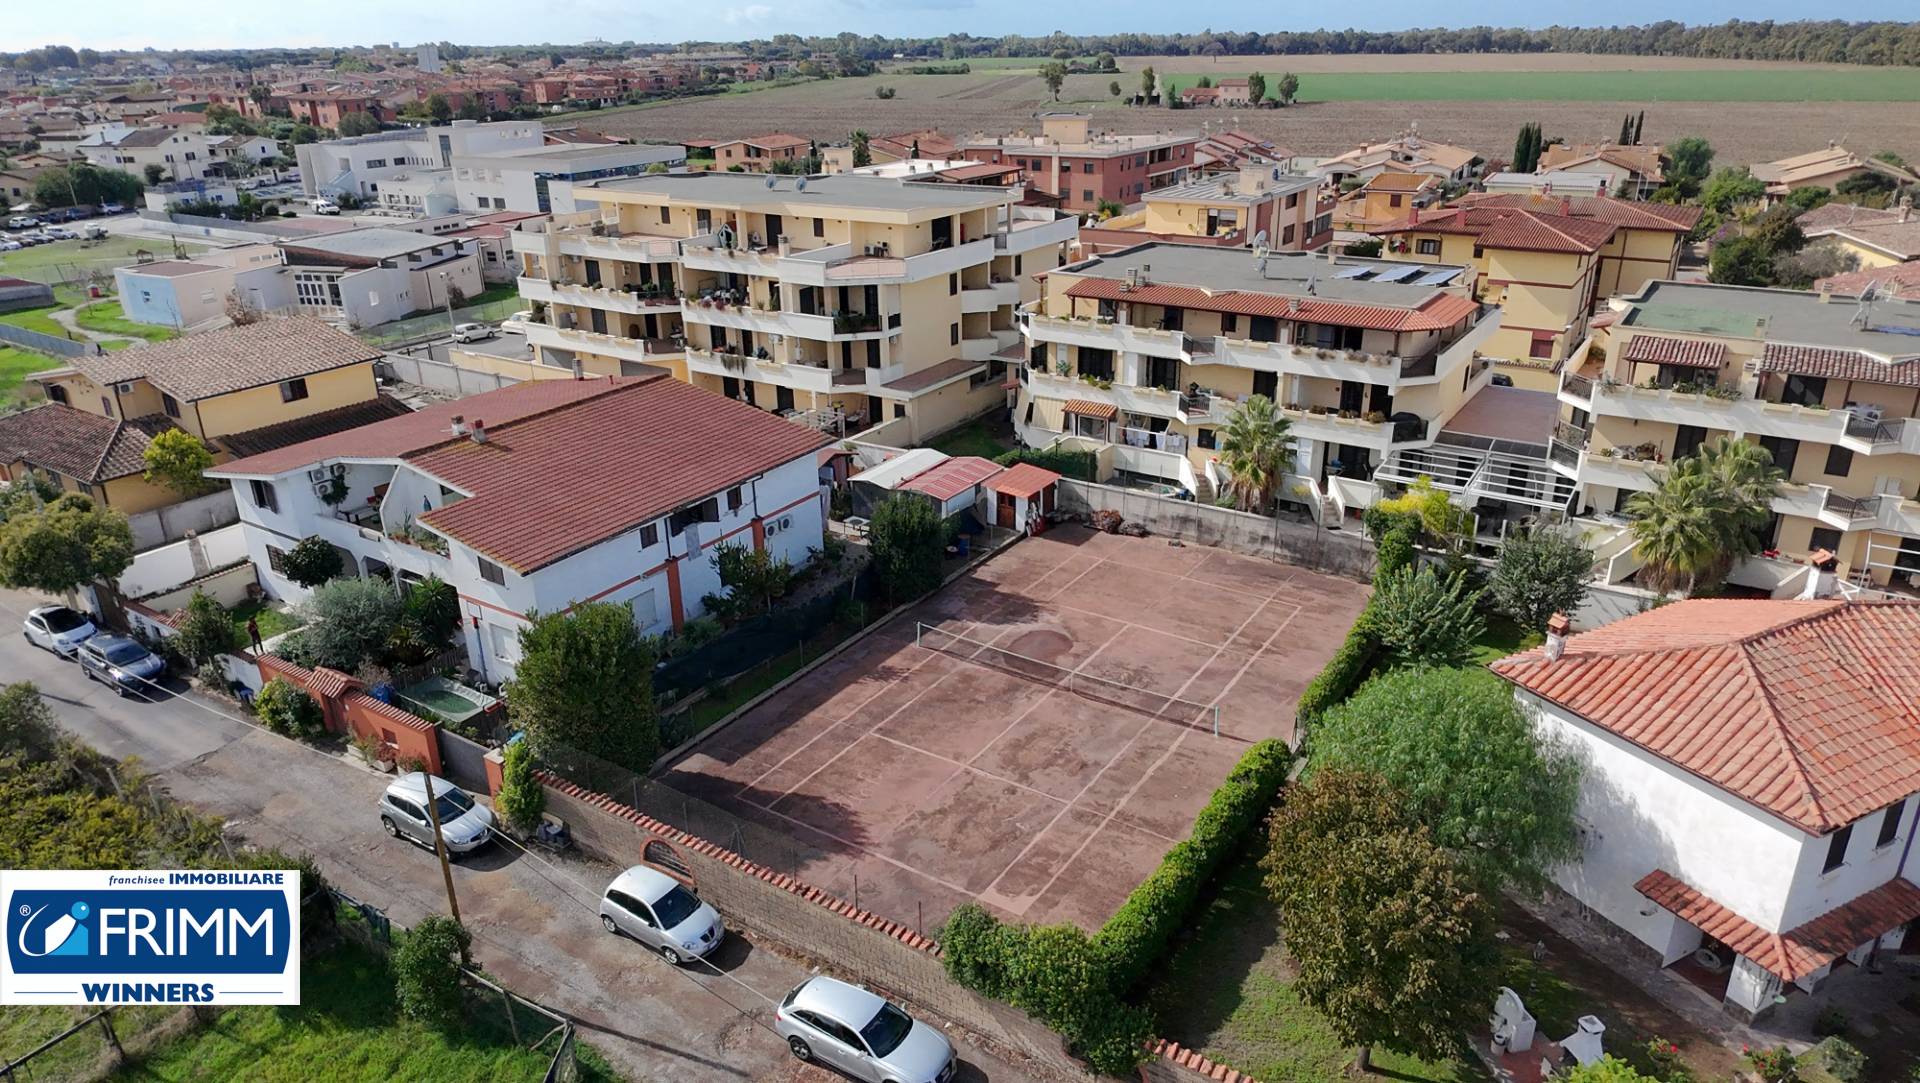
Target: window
pixel 1016 266
pixel 650 535
pixel 666 216
pixel 1783 450
pixel 293 390
pixel 1839 461
pixel 1542 346
pixel 953 285
pixel 1890 824
pixel 734 498
pixel 1804 390
pixel 492 572
pixel 1086 167
pixel 1428 247
pixel 1204 438
pixel 1823 537
pixel 263 494
pixel 953 335
pixel 106 406
pixel 277 559
pixel 1394 200
pixel 1086 195
pixel 170 404
pixel 819 227
pixel 1286 234
pixel 1687 440
pixel 1837 849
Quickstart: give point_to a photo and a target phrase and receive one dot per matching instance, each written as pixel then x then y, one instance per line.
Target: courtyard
pixel 1035 735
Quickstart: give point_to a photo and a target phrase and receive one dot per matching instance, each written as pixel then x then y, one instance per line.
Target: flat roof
pixel 1287 274
pixel 837 190
pixel 583 152
pixel 1215 189
pixel 172 268
pixel 1890 328
pixel 375 243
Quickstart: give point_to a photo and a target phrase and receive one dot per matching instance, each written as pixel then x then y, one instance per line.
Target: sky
pixel 132 24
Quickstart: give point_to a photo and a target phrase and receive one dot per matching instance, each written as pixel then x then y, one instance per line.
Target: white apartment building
pixel 853 300
pixel 180 155
pixel 640 481
pixel 367 277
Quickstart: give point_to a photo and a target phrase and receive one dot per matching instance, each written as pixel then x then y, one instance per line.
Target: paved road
pixel 533 919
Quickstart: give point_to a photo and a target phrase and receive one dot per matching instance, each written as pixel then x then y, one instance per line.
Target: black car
pixel 120 663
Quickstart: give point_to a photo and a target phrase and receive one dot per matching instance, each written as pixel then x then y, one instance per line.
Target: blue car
pixel 121 664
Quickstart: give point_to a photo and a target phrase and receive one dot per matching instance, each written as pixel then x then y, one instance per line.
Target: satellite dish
pixel 769 182
pixel 800 185
pixel 1260 239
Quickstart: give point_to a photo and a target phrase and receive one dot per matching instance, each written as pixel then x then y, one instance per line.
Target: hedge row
pixel 1079 465
pixel 1342 674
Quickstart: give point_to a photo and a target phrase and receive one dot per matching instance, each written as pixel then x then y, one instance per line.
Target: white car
pixel 61 233
pixel 472 332
pixel 58 629
pixel 516 324
pixel 325 206
pixel 10 246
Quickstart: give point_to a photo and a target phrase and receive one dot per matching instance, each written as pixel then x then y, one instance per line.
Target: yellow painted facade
pixel 257 407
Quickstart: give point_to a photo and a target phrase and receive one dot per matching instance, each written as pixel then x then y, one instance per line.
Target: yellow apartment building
pixel 1383 200
pixel 1830 385
pixel 845 301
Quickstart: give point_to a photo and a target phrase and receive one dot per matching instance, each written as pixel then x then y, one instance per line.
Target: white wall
pixel 169 566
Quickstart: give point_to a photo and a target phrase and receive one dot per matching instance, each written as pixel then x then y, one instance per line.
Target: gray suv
pixel 465 824
pixel 846 1027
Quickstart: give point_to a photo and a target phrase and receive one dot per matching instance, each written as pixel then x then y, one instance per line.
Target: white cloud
pixel 752 13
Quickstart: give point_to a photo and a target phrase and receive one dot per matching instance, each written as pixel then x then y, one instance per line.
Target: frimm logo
pixel 151 937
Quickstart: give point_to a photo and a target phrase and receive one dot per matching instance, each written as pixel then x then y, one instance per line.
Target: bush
pixel 1079 465
pixel 908 540
pixel 1842 1059
pixel 312 561
pixel 204 630
pixel 348 622
pixel 1340 676
pixel 1424 619
pixel 521 799
pixel 426 971
pixel 976 949
pixel 1667 1063
pixel 1830 1021
pixel 286 710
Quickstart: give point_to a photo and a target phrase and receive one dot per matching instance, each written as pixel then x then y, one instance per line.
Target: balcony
pixel 1104 334
pixel 1027 229
pixel 800 376
pixel 1576 390
pixel 601 242
pixel 631 301
pixel 989 298
pixel 616 346
pixel 368 542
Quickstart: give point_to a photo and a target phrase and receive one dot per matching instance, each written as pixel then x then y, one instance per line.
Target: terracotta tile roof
pixel 953 477
pixel 219 362
pixel 771 141
pixel 1899 240
pixel 1087 408
pixel 1637 159
pixel 1801 950
pixel 1902 280
pixel 655 445
pixel 330 683
pixel 76 444
pixel 1830 215
pixel 1620 212
pixel 1401 182
pixel 1023 480
pixel 1838 364
pixel 1807 709
pixel 1662 350
pixel 313 426
pixel 1533 231
pixel 1440 311
pixel 406 434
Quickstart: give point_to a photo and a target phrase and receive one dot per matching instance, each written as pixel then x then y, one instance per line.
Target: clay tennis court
pixel 961 768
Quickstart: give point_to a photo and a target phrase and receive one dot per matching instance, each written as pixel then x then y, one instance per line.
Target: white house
pixel 374 276
pixel 1751 776
pixel 542 496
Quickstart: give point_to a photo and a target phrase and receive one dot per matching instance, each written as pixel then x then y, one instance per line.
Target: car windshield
pixel 886 1030
pixel 675 907
pixel 453 803
pixel 125 653
pixel 62 620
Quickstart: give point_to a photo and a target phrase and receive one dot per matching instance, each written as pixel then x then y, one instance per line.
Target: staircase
pixel 1329 513
pixel 1202 489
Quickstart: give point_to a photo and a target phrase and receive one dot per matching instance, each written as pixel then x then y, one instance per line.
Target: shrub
pixel 1079 465
pixel 908 540
pixel 348 622
pixel 1340 676
pixel 521 799
pixel 433 608
pixel 1830 1021
pixel 426 971
pixel 1843 1060
pixel 312 561
pixel 1424 619
pixel 1776 1065
pixel 287 710
pixel 1668 1066
pixel 975 948
pixel 204 630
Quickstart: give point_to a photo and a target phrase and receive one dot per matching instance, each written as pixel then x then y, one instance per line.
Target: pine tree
pixel 1626 130
pixel 1639 127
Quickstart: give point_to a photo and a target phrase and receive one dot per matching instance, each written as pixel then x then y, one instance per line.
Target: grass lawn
pixel 973 438
pixel 272 622
pixel 38 319
pixel 1625 85
pixel 22 1028
pixel 15 363
pixel 347 1028
pixel 1503 637
pixel 106 318
pixel 116 251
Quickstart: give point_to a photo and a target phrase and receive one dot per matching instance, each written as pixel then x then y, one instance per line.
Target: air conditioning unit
pixel 786 522
pixel 316 474
pixel 338 470
pixel 124 389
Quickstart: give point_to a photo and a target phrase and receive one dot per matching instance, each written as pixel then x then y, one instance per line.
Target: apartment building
pixel 853 300
pixel 1259 203
pixel 368 277
pixel 1084 168
pixel 541 496
pixel 1150 350
pixel 1829 385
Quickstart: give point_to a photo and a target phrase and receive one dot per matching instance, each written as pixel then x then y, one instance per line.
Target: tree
pixel 1626 131
pixel 1113 88
pixel 1750 258
pixel 585 683
pixel 178 460
pixel 1706 514
pixel 312 561
pixel 1289 88
pixel 1468 765
pixel 1688 160
pixel 1864 184
pixel 63 545
pixel 1256 451
pixel 1054 74
pixel 1256 88
pixel 1146 82
pixel 755 578
pixel 1425 619
pixel 862 149
pixel 81 183
pixel 287 710
pixel 260 92
pixel 1543 570
pixel 1729 187
pixel 1800 270
pixel 359 124
pixel 432 607
pixel 1104 62
pixel 1527 147
pixel 154 172
pixel 884 93
pixel 1807 197
pixel 522 798
pixel 909 542
pixel 205 630
pixel 426 970
pixel 348 622
pixel 1368 248
pixel 1204 82
pixel 1394 944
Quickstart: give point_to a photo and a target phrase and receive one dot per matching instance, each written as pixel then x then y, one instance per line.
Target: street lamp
pixel 452 327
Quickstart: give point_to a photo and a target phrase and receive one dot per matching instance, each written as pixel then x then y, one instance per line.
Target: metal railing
pixel 1874 430
pixel 1571 435
pixel 1853 507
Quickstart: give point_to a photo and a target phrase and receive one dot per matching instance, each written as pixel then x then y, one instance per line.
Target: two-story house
pixel 1084 167
pixel 1829 385
pixel 1751 779
pixel 1257 206
pixel 542 496
pixel 854 300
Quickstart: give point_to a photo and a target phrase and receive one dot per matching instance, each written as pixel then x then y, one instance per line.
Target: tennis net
pixel 1166 708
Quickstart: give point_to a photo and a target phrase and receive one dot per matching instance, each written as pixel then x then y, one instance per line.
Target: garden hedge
pixel 1079 465
pixel 1342 674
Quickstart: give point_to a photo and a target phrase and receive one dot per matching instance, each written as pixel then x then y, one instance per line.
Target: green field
pixel 59 261
pixel 1665 85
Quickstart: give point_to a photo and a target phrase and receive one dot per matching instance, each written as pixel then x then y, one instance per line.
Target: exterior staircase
pixel 1202 488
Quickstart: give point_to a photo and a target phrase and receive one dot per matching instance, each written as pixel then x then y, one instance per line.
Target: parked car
pixel 62 233
pixel 94 233
pixel 465 824
pixel 113 208
pixel 22 221
pixel 661 913
pixel 516 324
pixel 59 629
pixel 472 332
pixel 120 663
pixel 325 206
pixel 846 1027
pixel 10 245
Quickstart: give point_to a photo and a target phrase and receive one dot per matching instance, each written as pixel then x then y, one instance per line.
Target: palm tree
pixel 1706 514
pixel 1256 451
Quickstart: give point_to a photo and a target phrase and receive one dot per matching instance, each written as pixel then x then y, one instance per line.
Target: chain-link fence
pixel 1292 541
pixel 434 324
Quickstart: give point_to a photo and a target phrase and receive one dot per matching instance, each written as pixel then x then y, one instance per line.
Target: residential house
pixel 1143 355
pixel 179 155
pixel 1407 152
pixel 1899 280
pixel 189 293
pixel 756 154
pixel 491 237
pixel 1234 92
pixel 1750 771
pixel 1258 206
pixel 1633 172
pixel 922 144
pixel 368 277
pixel 327 107
pixel 1199 97
pixel 1829 385
pixel 853 300
pixel 1384 199
pixel 1548 183
pixel 542 496
pixel 82 452
pixel 1873 238
pixel 1227 151
pixel 1824 169
pixel 1084 168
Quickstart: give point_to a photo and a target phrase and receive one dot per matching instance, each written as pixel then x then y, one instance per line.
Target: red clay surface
pixel 934 779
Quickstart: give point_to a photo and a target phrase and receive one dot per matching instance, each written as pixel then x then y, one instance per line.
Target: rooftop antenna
pixel 1863 311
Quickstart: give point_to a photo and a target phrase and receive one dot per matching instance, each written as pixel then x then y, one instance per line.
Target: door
pixel 845 1049
pixel 1005 511
pixel 730 386
pixel 635 919
pixel 1352 395
pixel 598 319
pixel 873 410
pixel 775 227
pixel 1268 384
pixel 783 398
pixel 412 820
pixel 593 272
pixel 942 233
pixel 37 632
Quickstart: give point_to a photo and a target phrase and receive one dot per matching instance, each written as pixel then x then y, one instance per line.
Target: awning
pixel 1104 411
pixel 1838 364
pixel 1799 951
pixel 1661 350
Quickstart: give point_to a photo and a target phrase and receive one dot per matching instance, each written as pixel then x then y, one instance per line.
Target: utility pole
pixel 452 327
pixel 440 844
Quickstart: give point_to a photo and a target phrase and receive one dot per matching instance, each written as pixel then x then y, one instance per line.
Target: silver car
pixel 121 664
pixel 660 912
pixel 58 629
pixel 846 1027
pixel 465 824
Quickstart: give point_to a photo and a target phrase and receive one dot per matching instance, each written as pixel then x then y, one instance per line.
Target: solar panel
pixel 1397 274
pixel 1353 272
pixel 1436 278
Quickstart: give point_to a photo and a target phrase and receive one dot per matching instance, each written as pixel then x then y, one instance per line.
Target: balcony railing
pixel 1580 387
pixel 1572 435
pixel 1852 508
pixel 1875 431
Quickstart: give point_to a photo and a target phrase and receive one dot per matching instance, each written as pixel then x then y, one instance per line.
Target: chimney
pixel 1826 291
pixel 1557 628
pixel 479 433
pixel 579 370
pixel 459 425
pixel 1820 584
pixel 1566 205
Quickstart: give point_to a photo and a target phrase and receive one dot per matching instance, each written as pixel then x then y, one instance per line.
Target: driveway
pixel 533 920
